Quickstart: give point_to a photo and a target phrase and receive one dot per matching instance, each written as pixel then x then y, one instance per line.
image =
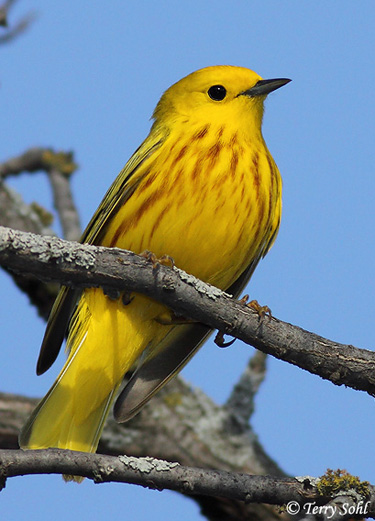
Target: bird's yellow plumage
pixel 203 189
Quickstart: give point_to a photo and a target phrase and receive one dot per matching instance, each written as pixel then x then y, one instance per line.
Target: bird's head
pixel 220 94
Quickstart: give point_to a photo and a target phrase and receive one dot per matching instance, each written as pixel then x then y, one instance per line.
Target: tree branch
pixel 32 160
pixel 31 217
pixel 64 204
pixel 160 474
pixel 36 219
pixel 17 28
pixel 83 265
pixel 152 473
pixel 181 424
pixel 59 166
pixel 241 399
pixel 50 258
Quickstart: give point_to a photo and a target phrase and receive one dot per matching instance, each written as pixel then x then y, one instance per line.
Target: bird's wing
pixel 120 191
pixel 171 355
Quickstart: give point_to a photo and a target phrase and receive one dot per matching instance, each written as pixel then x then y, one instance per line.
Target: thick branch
pixel 49 258
pixel 161 474
pixel 152 473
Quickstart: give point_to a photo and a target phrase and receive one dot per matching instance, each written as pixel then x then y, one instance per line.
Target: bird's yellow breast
pixel 210 202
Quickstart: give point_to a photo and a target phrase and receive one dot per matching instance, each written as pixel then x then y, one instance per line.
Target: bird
pixel 202 189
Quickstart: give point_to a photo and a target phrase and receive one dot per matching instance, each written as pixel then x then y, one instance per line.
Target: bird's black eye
pixel 217 92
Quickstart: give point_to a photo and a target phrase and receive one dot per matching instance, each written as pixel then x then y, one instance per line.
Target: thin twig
pixel 16 29
pixel 50 258
pixel 4 9
pixel 241 399
pixel 63 202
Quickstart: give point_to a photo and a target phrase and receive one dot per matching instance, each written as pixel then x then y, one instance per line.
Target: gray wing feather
pixel 171 356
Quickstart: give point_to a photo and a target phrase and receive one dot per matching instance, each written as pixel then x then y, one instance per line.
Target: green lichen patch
pixel 336 481
pixel 62 161
pixel 44 215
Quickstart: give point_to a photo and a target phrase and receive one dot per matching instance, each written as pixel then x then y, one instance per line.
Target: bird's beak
pixel 264 87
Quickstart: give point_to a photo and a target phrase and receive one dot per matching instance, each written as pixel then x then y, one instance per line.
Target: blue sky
pixel 87 77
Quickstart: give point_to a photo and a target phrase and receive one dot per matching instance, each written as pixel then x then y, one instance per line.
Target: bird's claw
pixel 261 310
pixel 220 342
pixel 164 260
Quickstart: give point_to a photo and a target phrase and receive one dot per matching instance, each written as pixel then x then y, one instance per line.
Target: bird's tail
pixel 72 414
pixel 55 424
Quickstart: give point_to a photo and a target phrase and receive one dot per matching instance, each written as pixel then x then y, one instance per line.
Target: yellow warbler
pixel 203 189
